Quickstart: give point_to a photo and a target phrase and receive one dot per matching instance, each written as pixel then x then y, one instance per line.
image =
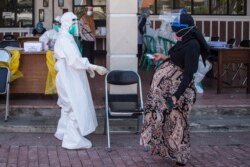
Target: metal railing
pixel 20 31
pixel 219 25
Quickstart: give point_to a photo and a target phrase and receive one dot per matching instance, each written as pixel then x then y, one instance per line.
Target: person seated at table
pixel 39 30
pixel 50 36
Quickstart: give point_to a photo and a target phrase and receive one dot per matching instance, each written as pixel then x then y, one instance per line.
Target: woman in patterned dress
pixel 172 93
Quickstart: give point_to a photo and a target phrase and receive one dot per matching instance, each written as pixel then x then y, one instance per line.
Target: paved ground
pixel 220 149
pixel 43 150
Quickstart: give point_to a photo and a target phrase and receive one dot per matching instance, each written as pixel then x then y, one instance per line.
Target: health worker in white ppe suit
pixel 50 36
pixel 78 117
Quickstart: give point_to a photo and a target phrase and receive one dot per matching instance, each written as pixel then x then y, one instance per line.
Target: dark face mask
pixel 183 31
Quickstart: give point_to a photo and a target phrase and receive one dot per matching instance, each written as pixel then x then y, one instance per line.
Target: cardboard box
pixel 33 46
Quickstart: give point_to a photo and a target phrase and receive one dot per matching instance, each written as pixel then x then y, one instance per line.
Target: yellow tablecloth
pixel 14 65
pixel 51 77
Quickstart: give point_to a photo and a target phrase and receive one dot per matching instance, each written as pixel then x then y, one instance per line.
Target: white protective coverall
pixel 78 117
pixel 49 37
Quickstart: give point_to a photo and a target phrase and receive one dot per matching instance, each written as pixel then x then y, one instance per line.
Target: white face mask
pixel 89 13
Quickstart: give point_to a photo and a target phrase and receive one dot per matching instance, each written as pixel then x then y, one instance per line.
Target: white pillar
pixel 248 8
pixel 122 34
pixel 122 38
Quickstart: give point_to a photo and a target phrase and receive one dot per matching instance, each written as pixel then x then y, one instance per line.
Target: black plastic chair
pixel 215 38
pixel 231 41
pixel 166 43
pixel 245 43
pixel 126 105
pixel 12 43
pixel 150 48
pixel 9 37
pixel 5 79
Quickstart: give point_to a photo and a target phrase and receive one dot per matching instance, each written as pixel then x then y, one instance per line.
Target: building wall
pixel 225 27
pixel 51 11
pixel 248 7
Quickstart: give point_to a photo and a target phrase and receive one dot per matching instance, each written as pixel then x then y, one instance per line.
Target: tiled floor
pixel 228 97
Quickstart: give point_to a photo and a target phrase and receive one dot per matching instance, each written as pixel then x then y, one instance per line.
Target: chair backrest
pixel 215 38
pixel 13 43
pixel 9 37
pixel 245 43
pixel 231 41
pixel 4 73
pixel 5 56
pixel 123 78
pixel 150 44
pixel 119 77
pixel 167 44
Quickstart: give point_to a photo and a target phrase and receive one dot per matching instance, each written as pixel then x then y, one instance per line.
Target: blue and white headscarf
pixel 39 27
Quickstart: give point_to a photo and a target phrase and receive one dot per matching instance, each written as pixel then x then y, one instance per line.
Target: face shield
pixel 181 22
pixel 74 28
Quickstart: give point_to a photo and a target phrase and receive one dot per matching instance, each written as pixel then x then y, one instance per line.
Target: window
pixel 164 5
pixel 203 7
pixel 196 7
pixel 99 2
pixel 182 4
pixel 219 7
pixel 237 7
pixel 80 2
pixel 16 13
pixel 99 8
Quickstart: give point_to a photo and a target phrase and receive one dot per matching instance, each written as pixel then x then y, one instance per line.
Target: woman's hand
pixel 174 99
pixel 159 56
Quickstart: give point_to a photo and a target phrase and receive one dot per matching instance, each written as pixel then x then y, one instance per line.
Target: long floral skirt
pixel 166 131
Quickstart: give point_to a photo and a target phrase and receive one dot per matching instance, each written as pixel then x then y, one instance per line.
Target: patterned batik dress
pixel 166 131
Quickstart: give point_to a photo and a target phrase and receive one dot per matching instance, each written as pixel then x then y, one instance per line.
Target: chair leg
pixel 138 124
pixel 108 133
pixel 237 71
pixel 7 104
pixel 245 80
pixel 149 63
pixel 105 127
pixel 141 59
pixel 144 61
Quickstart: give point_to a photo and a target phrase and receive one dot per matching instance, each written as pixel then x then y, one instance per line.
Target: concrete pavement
pixel 220 149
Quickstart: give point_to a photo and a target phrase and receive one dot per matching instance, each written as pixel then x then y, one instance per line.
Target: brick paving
pixel 43 150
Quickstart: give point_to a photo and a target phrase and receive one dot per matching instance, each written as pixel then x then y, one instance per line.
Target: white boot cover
pixel 62 125
pixel 72 138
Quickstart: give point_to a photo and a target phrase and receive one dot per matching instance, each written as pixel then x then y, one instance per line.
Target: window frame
pixel 210 9
pixel 90 2
pixel 15 8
